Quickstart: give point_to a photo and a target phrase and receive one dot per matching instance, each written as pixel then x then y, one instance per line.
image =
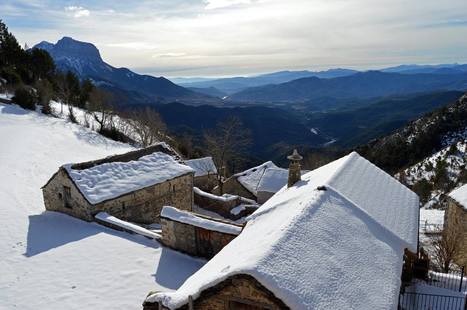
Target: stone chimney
pixel 294 168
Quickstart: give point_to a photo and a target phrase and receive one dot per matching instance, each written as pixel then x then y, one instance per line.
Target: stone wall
pixel 141 206
pixel 206 182
pixel 193 240
pixel 73 203
pixel 264 196
pixel 145 205
pixel 456 220
pixel 232 186
pixel 233 293
pixel 219 205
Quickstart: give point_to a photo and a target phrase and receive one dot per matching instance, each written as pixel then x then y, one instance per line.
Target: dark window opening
pixel 67 192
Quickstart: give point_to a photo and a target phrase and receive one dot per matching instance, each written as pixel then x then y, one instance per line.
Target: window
pixel 67 191
pixel 67 194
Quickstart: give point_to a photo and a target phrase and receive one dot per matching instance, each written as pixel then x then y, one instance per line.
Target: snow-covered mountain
pixel 85 60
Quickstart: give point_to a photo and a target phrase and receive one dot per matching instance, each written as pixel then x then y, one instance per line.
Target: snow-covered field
pixel 53 261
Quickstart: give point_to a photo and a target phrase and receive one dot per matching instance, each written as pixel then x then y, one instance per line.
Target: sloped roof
pixel 117 175
pixel 273 180
pixel 250 178
pixel 321 249
pixel 460 196
pixel 202 166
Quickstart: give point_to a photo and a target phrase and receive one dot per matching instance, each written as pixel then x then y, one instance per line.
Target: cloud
pixel 169 54
pixel 77 11
pixel 228 37
pixel 134 45
pixel 217 4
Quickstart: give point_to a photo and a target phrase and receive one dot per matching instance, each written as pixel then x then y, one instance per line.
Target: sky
pixel 177 38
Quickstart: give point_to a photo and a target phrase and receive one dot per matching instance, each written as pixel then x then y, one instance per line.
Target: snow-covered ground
pixel 431 220
pixel 53 261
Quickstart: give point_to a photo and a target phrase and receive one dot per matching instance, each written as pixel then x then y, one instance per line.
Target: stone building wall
pixel 456 219
pixel 221 205
pixel 141 206
pixel 145 205
pixel 193 240
pixel 232 186
pixel 206 182
pixel 264 196
pixel 61 194
pixel 236 292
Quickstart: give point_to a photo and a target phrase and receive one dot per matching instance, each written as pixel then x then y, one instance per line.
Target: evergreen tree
pixel 11 52
pixel 41 64
pixel 86 89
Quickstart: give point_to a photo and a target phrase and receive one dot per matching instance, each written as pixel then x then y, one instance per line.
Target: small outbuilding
pixel 205 172
pixel 245 184
pixel 271 182
pixel 333 240
pixel 133 186
pixel 455 221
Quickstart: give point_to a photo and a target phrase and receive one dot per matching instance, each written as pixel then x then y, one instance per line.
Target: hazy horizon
pixel 222 38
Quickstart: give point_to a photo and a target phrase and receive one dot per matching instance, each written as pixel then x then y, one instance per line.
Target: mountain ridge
pixel 84 59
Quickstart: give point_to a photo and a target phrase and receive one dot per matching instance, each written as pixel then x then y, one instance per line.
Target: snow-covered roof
pixel 112 179
pixel 250 178
pixel 338 248
pixel 198 221
pixel 202 166
pixel 273 180
pixel 460 196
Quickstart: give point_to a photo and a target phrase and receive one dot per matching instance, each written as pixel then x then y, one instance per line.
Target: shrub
pixel 114 134
pixel 25 98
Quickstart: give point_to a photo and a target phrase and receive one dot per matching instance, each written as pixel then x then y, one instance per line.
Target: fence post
pixel 462 278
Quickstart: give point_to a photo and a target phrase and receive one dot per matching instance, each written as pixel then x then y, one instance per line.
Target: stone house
pixel 334 238
pixel 228 206
pixel 245 184
pixel 196 234
pixel 455 222
pixel 133 186
pixel 205 172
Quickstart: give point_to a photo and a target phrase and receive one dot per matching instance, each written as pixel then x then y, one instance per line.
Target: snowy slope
pixel 453 159
pixel 52 261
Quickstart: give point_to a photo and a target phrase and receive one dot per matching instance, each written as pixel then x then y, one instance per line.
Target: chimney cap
pixel 295 156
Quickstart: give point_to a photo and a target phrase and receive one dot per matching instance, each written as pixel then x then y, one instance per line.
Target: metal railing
pixel 419 301
pixel 454 280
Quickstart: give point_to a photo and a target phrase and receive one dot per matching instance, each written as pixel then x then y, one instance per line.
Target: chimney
pixel 294 168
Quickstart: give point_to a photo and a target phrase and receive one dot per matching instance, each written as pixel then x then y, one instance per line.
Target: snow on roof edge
pixel 192 219
pixel 459 195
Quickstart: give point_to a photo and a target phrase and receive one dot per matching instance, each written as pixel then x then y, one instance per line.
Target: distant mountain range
pixel 85 60
pixel 229 86
pixel 359 85
pixel 236 84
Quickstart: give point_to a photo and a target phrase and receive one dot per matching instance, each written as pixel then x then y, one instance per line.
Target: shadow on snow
pixel 51 230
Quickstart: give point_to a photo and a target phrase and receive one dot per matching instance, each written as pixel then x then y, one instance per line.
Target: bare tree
pixel 100 107
pixel 226 143
pixel 446 247
pixel 147 125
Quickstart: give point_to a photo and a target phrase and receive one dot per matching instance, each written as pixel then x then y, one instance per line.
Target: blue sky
pixel 241 37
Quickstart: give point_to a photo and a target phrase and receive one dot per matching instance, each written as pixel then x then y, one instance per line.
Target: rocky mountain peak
pixel 74 48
